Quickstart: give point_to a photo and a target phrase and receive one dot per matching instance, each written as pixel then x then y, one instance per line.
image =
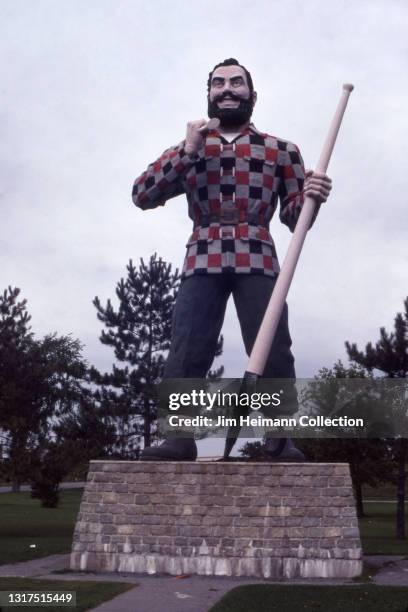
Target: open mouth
pixel 228 103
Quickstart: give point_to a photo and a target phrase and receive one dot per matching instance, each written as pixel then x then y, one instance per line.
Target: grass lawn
pixel 290 598
pixel 386 490
pixel 377 531
pixel 23 522
pixel 88 593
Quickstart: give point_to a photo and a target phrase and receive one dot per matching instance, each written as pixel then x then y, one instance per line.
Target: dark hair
pixel 231 62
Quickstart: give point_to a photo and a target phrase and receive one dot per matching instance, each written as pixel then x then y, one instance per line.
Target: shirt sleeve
pixel 163 179
pixel 291 187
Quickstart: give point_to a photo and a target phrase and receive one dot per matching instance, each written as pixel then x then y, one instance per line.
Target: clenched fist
pixel 195 138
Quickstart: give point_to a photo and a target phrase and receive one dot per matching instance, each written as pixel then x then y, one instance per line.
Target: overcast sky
pixel 92 91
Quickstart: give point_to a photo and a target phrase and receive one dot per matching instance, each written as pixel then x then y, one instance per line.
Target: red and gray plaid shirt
pixel 232 191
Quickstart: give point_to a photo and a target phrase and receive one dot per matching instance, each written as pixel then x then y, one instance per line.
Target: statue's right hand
pixel 194 138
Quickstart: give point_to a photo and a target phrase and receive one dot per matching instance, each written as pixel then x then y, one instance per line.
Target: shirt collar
pixel 247 130
pixel 253 129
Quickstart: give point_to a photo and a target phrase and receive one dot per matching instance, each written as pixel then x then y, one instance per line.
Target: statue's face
pixel 227 80
pixel 229 98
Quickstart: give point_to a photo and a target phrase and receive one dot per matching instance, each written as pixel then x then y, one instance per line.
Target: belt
pixel 231 217
pixel 229 232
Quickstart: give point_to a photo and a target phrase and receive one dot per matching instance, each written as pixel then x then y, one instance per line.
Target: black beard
pixel 231 117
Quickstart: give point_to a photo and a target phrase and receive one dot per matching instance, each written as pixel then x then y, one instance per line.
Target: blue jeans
pixel 199 314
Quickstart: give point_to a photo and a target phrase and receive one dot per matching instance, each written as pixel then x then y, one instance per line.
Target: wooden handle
pixel 267 330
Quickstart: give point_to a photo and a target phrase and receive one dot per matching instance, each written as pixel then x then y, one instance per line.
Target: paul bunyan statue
pixel 233 176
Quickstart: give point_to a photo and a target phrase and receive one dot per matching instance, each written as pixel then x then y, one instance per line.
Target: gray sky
pixel 92 91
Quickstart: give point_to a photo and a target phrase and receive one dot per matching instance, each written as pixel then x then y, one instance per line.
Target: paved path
pixel 36 567
pixel 190 594
pixel 163 593
pixel 393 570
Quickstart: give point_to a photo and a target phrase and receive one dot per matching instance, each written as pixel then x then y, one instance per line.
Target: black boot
pixel 172 449
pixel 283 450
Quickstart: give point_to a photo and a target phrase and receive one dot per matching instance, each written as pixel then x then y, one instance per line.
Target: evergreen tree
pixel 390 356
pixel 140 332
pixel 16 420
pixel 42 382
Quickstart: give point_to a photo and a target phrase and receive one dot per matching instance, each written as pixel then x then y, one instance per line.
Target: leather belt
pixel 231 217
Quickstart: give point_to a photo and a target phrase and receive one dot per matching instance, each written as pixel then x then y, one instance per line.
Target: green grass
pixel 88 593
pixel 377 531
pixel 385 490
pixel 290 598
pixel 24 522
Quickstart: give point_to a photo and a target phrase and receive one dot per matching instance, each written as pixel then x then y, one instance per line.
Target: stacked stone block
pixel 227 519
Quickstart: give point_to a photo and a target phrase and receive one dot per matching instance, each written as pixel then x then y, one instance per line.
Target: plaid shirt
pixel 232 191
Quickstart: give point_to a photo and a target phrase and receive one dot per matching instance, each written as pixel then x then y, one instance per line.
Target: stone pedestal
pixel 226 519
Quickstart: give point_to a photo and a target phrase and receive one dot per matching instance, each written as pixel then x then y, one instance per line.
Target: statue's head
pixel 230 93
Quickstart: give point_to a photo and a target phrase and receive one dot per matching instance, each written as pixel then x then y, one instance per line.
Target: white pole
pixel 267 330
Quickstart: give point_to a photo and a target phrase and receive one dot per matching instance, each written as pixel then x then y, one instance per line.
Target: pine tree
pixel 140 332
pixel 390 356
pixel 41 383
pixel 15 343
